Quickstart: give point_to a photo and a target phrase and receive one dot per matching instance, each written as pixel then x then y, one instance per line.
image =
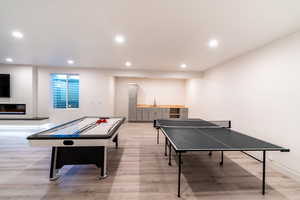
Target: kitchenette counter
pixel 159 106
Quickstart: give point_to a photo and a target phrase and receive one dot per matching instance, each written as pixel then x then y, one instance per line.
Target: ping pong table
pixel 199 135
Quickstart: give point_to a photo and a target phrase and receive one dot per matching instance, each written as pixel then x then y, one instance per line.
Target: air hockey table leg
pixel 104 165
pixel 116 141
pixel 53 171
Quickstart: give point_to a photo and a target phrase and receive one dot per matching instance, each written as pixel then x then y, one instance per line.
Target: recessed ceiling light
pixel 70 62
pixel 17 34
pixel 120 39
pixel 128 64
pixel 9 60
pixel 213 43
pixel 183 65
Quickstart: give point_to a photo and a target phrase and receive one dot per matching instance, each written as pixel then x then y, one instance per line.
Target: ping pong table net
pixel 192 124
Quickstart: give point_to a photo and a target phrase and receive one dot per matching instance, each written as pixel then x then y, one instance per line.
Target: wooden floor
pixel 137 170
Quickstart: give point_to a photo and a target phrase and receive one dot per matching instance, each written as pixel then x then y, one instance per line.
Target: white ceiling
pixel 160 34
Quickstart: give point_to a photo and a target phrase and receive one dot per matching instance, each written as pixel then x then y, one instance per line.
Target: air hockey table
pixel 77 142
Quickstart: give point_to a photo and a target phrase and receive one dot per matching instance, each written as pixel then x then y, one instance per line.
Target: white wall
pixel 31 85
pixel 96 95
pixel 21 88
pixel 165 91
pixel 260 93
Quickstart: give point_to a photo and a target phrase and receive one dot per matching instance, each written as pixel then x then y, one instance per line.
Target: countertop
pixel 159 106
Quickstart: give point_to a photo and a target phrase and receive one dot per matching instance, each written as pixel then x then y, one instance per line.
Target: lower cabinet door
pixel 139 114
pixel 184 113
pixel 146 113
pixel 158 114
pixel 165 113
pixel 152 113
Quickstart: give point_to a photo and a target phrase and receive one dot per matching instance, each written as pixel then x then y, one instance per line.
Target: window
pixel 65 90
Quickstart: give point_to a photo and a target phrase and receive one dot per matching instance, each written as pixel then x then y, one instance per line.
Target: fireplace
pixel 12 109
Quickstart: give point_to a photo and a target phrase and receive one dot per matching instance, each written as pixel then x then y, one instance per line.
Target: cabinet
pixel 139 114
pixel 152 113
pixel 183 113
pixel 165 113
pixel 132 101
pixel 174 113
pixel 146 114
pixel 155 113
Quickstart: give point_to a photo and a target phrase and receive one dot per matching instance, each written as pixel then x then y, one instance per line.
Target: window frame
pixel 67 91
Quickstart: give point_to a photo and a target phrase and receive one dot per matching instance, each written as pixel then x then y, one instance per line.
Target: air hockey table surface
pixel 84 131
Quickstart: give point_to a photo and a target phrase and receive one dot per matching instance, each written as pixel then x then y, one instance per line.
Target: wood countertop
pixel 159 106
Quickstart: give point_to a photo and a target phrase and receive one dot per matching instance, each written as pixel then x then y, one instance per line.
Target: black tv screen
pixel 4 85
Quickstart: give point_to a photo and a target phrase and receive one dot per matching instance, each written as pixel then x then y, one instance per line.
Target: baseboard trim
pixel 285 170
pixel 278 166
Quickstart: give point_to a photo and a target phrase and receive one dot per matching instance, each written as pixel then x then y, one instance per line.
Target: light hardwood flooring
pixel 137 170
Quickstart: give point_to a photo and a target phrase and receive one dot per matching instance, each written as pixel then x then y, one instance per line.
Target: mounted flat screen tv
pixel 4 85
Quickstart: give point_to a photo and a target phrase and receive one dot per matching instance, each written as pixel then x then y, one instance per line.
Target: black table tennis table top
pixel 201 135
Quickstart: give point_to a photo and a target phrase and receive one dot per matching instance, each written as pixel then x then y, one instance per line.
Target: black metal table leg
pixel 157 139
pixel 264 173
pixel 166 144
pixel 170 154
pixel 179 173
pixel 222 158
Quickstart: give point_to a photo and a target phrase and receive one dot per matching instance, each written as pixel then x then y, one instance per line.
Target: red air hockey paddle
pixel 99 121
